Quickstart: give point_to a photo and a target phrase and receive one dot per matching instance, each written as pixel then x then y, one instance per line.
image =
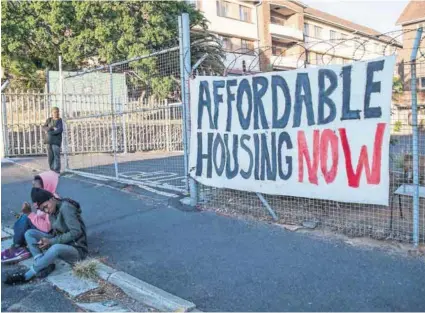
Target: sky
pixel 380 15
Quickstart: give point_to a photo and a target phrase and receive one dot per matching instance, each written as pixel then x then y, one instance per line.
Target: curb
pixel 144 292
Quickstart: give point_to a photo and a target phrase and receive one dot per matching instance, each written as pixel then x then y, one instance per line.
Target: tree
pixel 35 33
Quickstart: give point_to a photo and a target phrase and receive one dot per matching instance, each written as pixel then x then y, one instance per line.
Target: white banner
pixel 319 133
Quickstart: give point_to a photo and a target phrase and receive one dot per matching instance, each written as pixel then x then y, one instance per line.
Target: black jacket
pixel 53 137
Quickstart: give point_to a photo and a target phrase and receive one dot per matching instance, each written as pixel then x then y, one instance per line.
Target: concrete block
pixel 104 271
pixel 101 307
pixel 64 279
pixel 148 294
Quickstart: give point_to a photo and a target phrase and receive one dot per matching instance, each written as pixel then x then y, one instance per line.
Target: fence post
pixel 124 116
pixel 415 138
pixel 186 70
pixel 4 147
pixel 114 125
pixel 167 126
pixel 64 115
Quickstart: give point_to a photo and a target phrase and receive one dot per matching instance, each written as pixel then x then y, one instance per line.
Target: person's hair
pixel 40 180
pixel 55 109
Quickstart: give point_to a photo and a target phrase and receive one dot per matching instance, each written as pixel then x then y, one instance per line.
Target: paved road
pixel 225 264
pixel 37 296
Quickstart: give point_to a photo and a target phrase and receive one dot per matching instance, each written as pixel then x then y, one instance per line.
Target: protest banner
pixel 319 133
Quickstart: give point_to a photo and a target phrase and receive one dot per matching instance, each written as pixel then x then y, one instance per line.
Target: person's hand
pixel 55 128
pixel 26 208
pixel 44 243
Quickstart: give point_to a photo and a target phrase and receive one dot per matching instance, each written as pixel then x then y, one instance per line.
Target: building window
pixel 377 48
pixel 247 45
pixel 234 44
pixel 245 13
pixel 233 10
pixel 422 83
pixel 222 8
pixel 332 35
pixel 306 30
pixel 226 42
pixel 318 32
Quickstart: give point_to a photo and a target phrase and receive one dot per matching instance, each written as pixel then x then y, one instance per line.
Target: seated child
pixel 29 220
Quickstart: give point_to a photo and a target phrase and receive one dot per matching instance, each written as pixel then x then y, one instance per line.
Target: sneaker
pixel 15 278
pixel 46 271
pixel 14 255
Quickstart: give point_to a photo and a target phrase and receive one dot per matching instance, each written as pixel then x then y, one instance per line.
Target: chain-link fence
pixel 124 121
pixel 395 221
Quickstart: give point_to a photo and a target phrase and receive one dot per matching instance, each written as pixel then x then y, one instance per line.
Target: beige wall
pixel 230 26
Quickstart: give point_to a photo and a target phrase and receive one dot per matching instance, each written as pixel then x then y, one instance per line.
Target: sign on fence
pixel 320 133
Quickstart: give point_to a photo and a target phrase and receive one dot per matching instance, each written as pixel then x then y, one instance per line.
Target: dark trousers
pixel 19 229
pixel 54 157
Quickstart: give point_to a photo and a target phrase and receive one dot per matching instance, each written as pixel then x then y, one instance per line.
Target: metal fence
pixel 130 121
pixel 23 115
pixel 129 126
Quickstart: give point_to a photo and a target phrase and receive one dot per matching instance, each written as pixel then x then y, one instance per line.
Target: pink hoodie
pixel 41 219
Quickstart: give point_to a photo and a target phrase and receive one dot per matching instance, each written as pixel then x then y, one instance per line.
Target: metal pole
pixel 186 70
pixel 267 205
pixel 415 140
pixel 182 86
pixel 64 115
pixel 4 145
pixel 114 126
pixel 123 115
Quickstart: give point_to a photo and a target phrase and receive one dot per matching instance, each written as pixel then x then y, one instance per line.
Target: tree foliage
pixel 35 33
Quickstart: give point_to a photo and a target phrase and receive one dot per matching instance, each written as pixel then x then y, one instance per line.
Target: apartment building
pixel 235 23
pixel 412 17
pixel 283 34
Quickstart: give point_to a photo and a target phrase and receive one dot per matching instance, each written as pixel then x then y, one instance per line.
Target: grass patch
pixel 86 269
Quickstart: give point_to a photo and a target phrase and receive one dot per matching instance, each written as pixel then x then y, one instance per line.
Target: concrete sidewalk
pixel 226 264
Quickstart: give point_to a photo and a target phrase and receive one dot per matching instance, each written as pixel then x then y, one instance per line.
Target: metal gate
pixel 124 121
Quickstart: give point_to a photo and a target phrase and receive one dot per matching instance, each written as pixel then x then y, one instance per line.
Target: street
pixel 229 264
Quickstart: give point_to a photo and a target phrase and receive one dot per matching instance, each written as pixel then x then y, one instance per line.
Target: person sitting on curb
pixel 68 240
pixel 29 220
